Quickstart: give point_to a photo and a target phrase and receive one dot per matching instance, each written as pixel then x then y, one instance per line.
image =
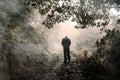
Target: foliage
pixel 93 67
pixel 109 50
pixel 84 12
pixel 20 66
pixel 84 69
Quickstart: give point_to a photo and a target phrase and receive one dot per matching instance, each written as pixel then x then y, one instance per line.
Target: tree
pixel 110 50
pixel 84 12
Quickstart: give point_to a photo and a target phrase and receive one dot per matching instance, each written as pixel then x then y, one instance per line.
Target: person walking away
pixel 66 42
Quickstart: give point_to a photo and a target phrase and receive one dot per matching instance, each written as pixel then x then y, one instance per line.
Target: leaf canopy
pixel 84 12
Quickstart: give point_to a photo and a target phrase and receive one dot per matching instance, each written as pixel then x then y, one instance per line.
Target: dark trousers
pixel 66 55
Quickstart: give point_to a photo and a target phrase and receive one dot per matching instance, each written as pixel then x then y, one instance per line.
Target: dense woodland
pixel 25 54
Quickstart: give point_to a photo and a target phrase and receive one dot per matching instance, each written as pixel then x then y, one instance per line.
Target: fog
pixel 80 38
pixel 27 38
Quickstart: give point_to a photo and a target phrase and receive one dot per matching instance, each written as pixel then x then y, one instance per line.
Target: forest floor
pixel 80 69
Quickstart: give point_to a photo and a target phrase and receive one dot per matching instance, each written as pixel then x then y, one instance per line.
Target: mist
pixel 81 38
pixel 23 35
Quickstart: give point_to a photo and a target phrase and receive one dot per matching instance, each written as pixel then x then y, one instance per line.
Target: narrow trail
pixel 78 70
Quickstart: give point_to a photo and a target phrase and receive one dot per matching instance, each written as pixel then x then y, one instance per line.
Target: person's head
pixel 66 37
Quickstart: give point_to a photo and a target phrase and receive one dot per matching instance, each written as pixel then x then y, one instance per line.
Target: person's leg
pixel 65 56
pixel 68 51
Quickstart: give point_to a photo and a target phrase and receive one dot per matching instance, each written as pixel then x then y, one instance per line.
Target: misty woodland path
pixel 76 70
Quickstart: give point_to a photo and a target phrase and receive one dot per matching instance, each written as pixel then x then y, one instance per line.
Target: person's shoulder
pixel 63 39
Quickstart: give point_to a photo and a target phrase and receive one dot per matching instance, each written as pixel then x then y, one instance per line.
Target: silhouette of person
pixel 66 48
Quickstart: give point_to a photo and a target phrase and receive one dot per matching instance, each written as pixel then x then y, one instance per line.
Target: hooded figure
pixel 66 48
